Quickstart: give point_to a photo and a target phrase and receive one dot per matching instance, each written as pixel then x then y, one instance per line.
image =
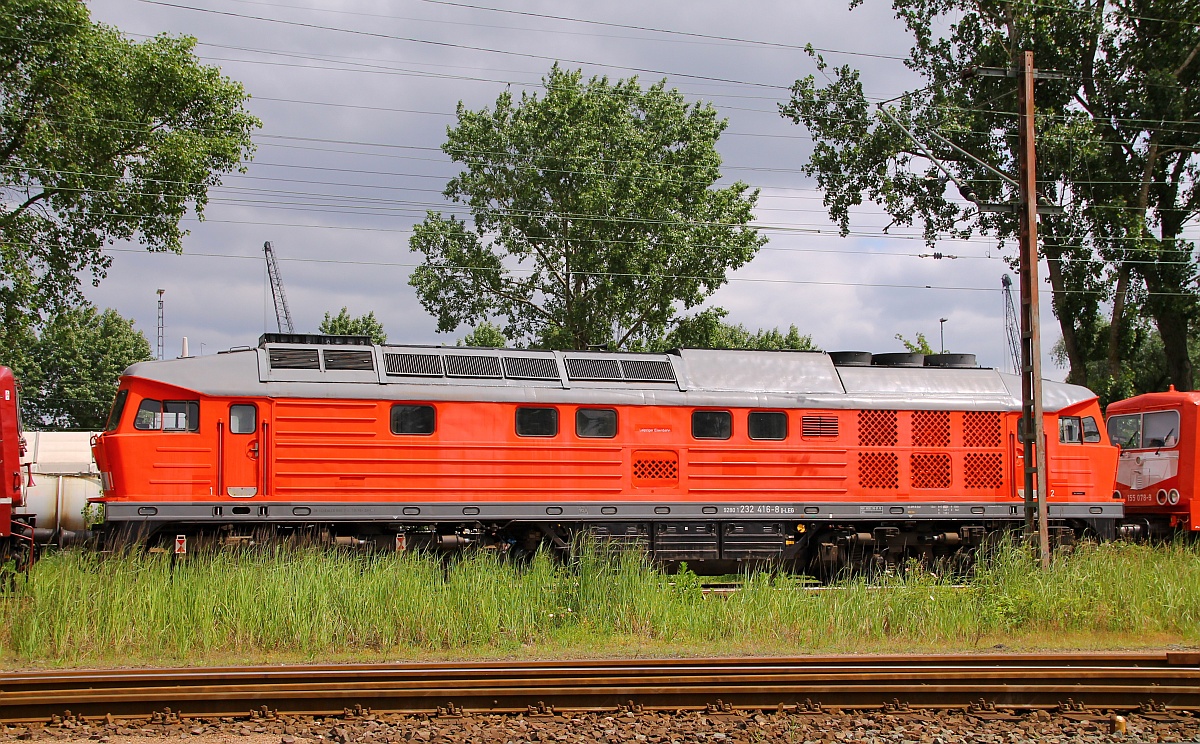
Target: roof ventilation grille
pixel 648 370
pixel 471 365
pixel 346 359
pixel 902 359
pixel 530 368
pixel 294 359
pixel 413 365
pixel 953 361
pixel 593 369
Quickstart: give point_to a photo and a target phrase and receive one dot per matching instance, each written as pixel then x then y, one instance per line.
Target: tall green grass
pixel 84 608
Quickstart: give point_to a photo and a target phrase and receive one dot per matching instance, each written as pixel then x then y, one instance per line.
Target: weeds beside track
pixel 249 606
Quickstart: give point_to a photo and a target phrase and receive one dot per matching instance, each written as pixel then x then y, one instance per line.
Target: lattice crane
pixel 283 316
pixel 1012 329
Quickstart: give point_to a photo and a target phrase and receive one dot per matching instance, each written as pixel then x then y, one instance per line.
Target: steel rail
pixel 1113 682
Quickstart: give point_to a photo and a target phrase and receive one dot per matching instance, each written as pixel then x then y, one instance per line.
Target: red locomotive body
pixel 16 537
pixel 698 455
pixel 1157 469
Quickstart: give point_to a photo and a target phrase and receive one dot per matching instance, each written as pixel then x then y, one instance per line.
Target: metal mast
pixel 283 316
pixel 160 323
pixel 1012 328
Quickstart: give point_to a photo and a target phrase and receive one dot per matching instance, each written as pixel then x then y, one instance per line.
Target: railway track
pixel 990 685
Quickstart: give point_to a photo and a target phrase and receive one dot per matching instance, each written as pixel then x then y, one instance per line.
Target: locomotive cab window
pixel 1091 432
pixel 242 419
pixel 1153 430
pixel 712 424
pixel 767 425
pixel 114 416
pixel 181 415
pixel 149 415
pixel 597 423
pixel 411 419
pixel 537 422
pixel 1070 430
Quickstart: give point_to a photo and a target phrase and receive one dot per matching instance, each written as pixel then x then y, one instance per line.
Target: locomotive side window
pixel 1091 432
pixel 409 419
pixel 1160 429
pixel 1125 431
pixel 768 425
pixel 181 415
pixel 537 422
pixel 712 424
pixel 114 416
pixel 149 415
pixel 242 419
pixel 1070 430
pixel 599 423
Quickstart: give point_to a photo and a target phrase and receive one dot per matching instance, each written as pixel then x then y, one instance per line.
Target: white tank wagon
pixel 64 478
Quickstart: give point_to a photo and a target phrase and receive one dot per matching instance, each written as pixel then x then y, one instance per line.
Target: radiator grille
pixel 930 470
pixel 655 469
pixel 878 470
pixel 931 428
pixel 525 368
pixel 294 359
pixel 416 365
pixel 593 369
pixel 471 365
pixel 981 429
pixel 983 470
pixel 877 428
pixel 347 359
pixel 647 370
pixel 819 426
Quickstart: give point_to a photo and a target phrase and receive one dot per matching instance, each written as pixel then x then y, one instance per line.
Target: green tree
pixel 1118 146
pixel 920 346
pixel 343 324
pixel 596 217
pixel 101 139
pixel 70 378
pixel 707 330
pixel 485 336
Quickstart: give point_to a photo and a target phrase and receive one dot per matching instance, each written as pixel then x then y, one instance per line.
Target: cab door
pixel 242 452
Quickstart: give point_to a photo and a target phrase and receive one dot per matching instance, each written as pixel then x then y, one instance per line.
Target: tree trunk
pixel 1066 319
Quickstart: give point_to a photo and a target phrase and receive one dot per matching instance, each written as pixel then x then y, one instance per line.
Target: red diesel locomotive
pixel 16 535
pixel 827 459
pixel 1157 469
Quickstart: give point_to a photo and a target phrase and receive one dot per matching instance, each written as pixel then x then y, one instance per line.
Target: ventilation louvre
pixel 983 470
pixel 472 365
pixel 981 429
pixel 294 359
pixel 877 428
pixel 819 426
pixel 593 369
pixel 648 370
pixel 413 365
pixel 930 470
pixel 655 468
pixel 931 428
pixel 878 470
pixel 346 359
pixel 526 368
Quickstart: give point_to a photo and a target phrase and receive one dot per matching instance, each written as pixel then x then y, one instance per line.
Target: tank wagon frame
pixel 697 455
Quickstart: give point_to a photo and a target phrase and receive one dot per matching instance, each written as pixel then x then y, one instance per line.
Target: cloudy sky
pixel 355 97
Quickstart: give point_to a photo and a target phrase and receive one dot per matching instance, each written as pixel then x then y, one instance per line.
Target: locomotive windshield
pixel 1151 430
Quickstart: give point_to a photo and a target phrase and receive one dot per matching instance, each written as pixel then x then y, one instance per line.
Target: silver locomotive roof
pixel 691 377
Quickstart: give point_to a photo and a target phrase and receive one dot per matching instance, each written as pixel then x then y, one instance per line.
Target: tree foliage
pixel 919 346
pixel 486 335
pixel 708 330
pixel 1118 146
pixel 101 139
pixel 344 324
pixel 595 215
pixel 69 377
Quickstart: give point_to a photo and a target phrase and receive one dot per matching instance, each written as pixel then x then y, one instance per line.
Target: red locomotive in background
pixel 16 534
pixel 1157 470
pixel 830 460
